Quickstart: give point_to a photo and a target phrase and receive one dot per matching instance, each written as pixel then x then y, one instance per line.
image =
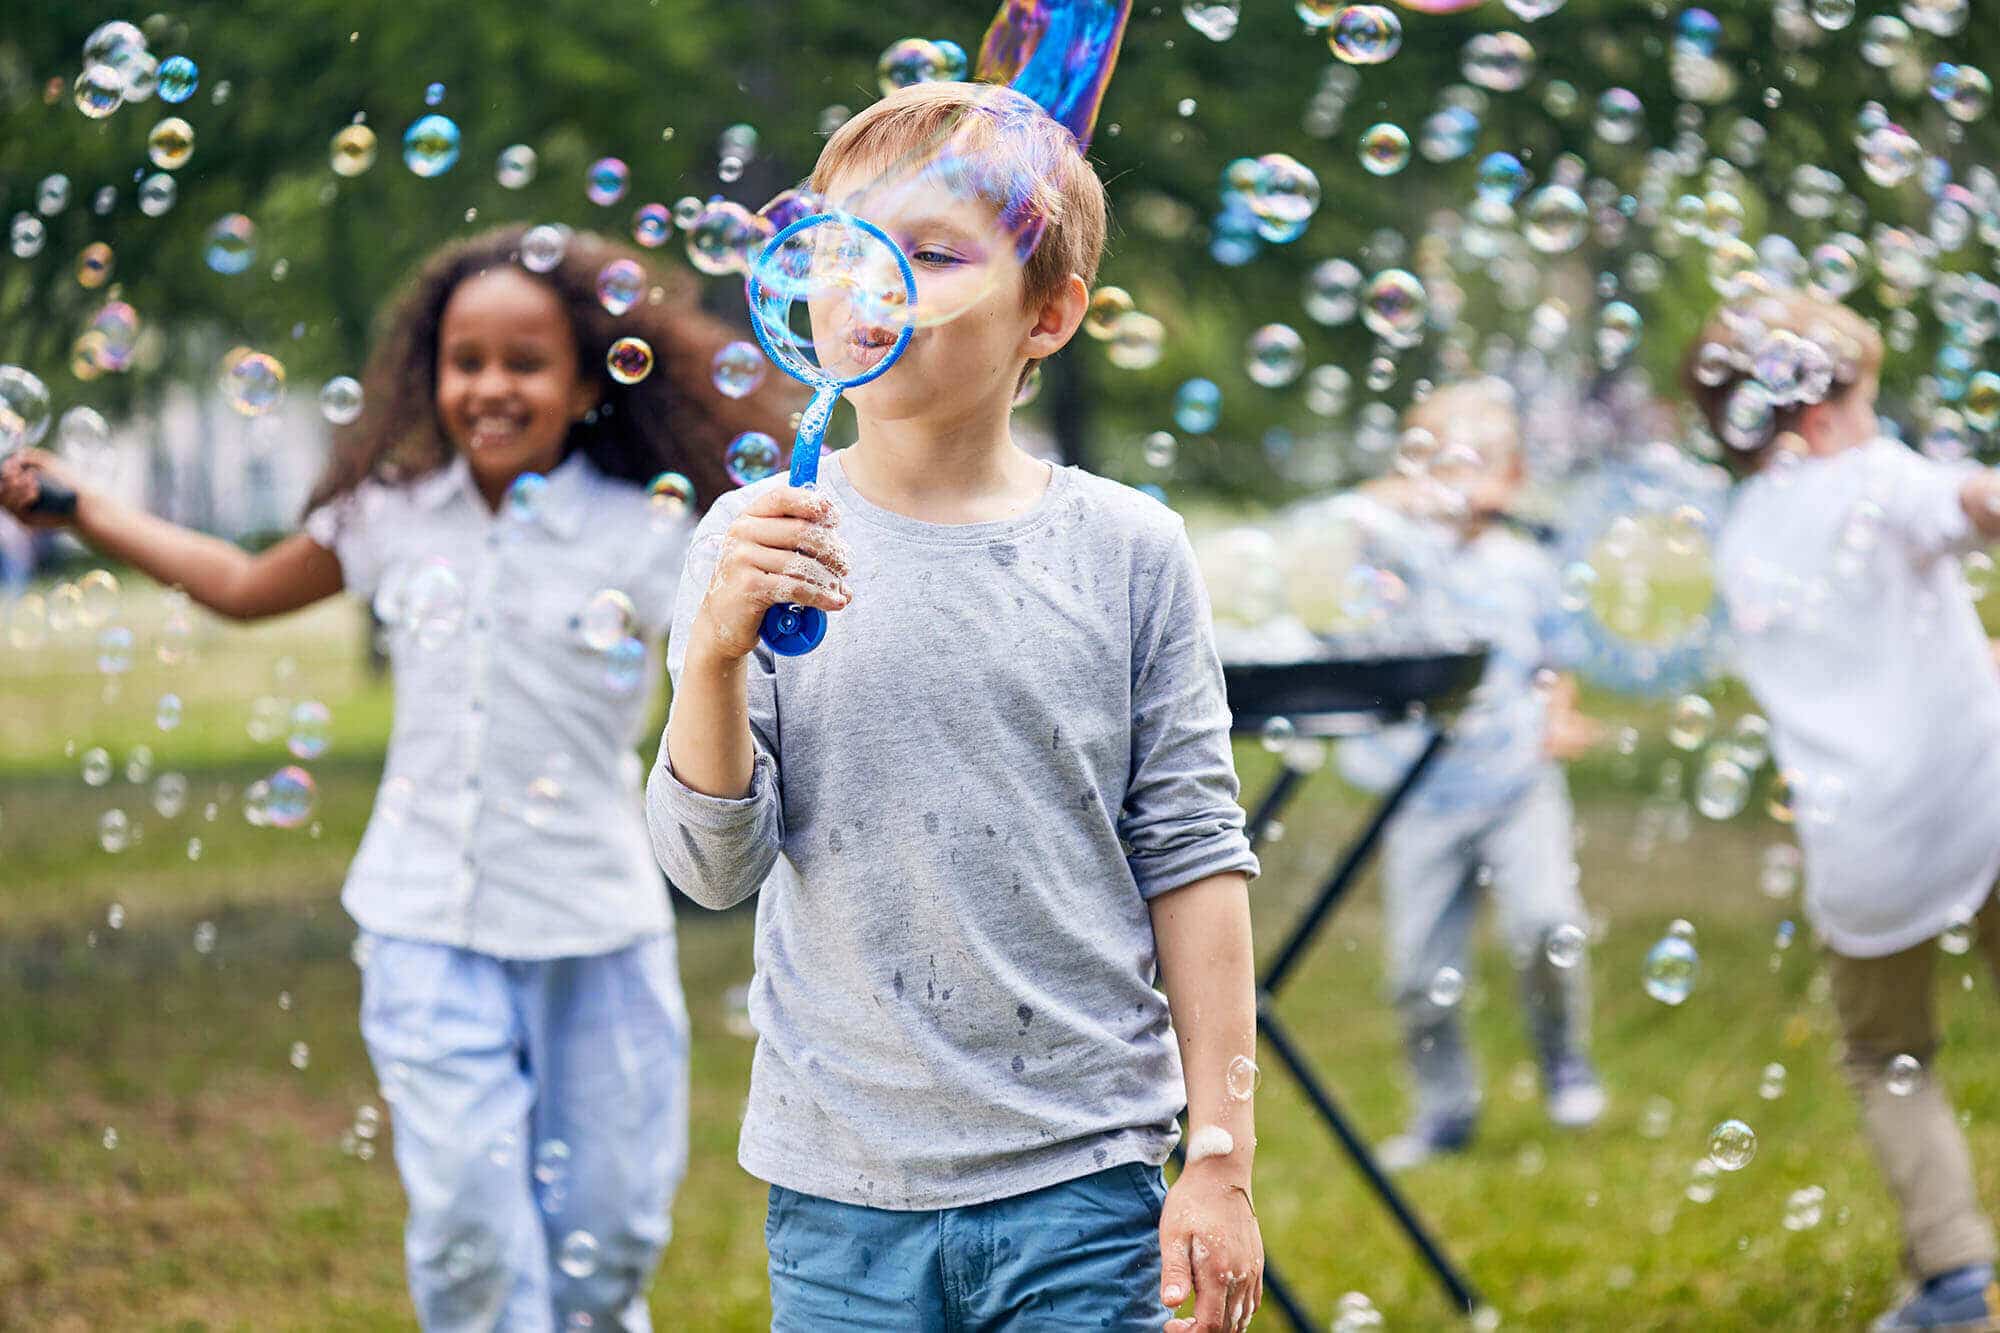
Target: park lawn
pixel 229 1200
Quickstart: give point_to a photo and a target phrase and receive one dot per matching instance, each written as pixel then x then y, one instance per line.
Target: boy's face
pixel 973 331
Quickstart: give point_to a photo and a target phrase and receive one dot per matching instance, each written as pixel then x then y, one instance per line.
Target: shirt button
pixel 478 705
pixel 479 622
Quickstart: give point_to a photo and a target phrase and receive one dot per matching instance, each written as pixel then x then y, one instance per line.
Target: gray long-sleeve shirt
pixel 961 802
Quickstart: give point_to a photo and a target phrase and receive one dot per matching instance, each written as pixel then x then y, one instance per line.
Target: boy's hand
pixel 781 549
pixel 1571 735
pixel 21 478
pixel 1210 1244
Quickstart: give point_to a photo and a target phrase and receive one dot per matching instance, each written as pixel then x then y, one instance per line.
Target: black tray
pixel 1330 695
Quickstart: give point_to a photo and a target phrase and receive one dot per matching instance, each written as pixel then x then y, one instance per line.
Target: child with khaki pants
pixel 1840 564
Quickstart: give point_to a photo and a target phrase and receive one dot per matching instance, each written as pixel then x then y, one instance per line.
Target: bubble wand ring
pixel 790 629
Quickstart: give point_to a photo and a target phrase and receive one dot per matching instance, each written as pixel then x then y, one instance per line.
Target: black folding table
pixel 1329 698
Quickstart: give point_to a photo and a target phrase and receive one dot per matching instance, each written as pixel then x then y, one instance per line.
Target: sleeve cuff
pixel 1162 872
pixel 716 813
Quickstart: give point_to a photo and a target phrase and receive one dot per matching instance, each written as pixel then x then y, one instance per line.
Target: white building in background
pixel 200 462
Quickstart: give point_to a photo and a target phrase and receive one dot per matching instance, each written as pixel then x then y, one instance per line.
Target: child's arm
pixel 1570 732
pixel 712 804
pixel 220 575
pixel 1979 497
pixel 1209 1241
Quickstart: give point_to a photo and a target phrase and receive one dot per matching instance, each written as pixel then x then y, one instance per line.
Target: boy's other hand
pixel 21 477
pixel 1210 1246
pixel 781 549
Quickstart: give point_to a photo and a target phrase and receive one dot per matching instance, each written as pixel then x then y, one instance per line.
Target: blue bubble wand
pixel 790 629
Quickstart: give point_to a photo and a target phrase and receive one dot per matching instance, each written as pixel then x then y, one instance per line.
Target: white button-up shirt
pixel 509 816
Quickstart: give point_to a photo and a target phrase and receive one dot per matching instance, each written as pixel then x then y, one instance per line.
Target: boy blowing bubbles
pixel 985 812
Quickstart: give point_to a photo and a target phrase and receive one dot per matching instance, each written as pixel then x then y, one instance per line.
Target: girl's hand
pixel 21 477
pixel 1210 1245
pixel 781 549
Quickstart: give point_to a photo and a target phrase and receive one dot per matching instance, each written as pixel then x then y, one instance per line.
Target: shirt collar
pixel 564 501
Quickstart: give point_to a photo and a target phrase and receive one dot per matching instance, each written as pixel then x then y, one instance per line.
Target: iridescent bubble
pixel 738 369
pixel 24 408
pixel 157 194
pixel 26 235
pixel 1804 1208
pixel 96 766
pixel 433 94
pixel 1197 405
pixel 311 729
pixel 515 169
pixel 301 1055
pixel 1890 155
pixel 1316 14
pixel 1502 177
pixel 1963 91
pixel 167 713
pixel 1885 41
pixel 1213 19
pixel 1691 722
pixel 113 43
pixel 1395 306
pixel 1447 988
pixel 114 831
pixel 340 400
pixel 1771 1085
pixel 1241 1078
pixel 52 195
pixel 1620 116
pixel 670 498
pixel 1275 356
pixel 524 496
pixel 93 266
pixel 99 91
pixel 629 360
pixel 543 247
pixel 620 284
pixel 652 226
pixel 1554 220
pixel 292 797
pixel 231 244
pixel 1731 1145
pixel 955 60
pixel 751 456
pixel 1832 15
pixel 353 150
pixel 1902 1075
pixel 1500 62
pixel 430 145
pixel 605 181
pixel 252 382
pixel 1671 969
pixel 1385 149
pixel 911 60
pixel 1366 34
pixel 1564 946
pixel 1286 192
pixel 725 237
pixel 178 78
pixel 625 665
pixel 577 1255
pixel 1107 306
pixel 97 598
pixel 606 619
pixel 1137 341
pixel 1333 292
pixel 170 144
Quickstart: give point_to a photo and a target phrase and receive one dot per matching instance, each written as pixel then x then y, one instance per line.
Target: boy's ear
pixel 1058 319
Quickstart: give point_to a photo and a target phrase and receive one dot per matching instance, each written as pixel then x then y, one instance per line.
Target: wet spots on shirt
pixel 990 833
pixel 1026 1015
pixel 1055 742
pixel 833 842
pixel 899 985
pixel 1020 1065
pixel 930 822
pixel 1098 1155
pixel 1003 554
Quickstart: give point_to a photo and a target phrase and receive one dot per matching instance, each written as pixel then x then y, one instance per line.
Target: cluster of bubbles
pixel 919 60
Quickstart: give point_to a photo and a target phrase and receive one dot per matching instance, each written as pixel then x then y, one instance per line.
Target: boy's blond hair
pixel 1721 358
pixel 991 141
pixel 1478 413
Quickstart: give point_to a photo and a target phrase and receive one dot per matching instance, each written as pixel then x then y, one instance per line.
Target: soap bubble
pixel 652 226
pixel 1671 969
pixel 625 665
pixel 1731 1145
pixel 1902 1075
pixel 1275 356
pixel 620 283
pixel 1107 306
pixel 543 247
pixel 178 78
pixel 751 456
pixel 300 1055
pixel 340 400
pixel 433 94
pixel 1137 341
pixel 909 61
pixel 725 238
pixel 1366 34
pixel 1722 790
pixel 96 766
pixel 170 144
pixel 311 729
pixel 114 651
pixel 1394 306
pixel 252 382
pixel 524 496
pixel 157 194
pixel 353 150
pixel 1242 1078
pixel 167 712
pixel 99 91
pixel 114 831
pixel 629 360
pixel 670 497
pixel 24 409
pixel 1691 722
pixel 292 797
pixel 430 145
pixel 1832 15
pixel 1890 155
pixel 1385 149
pixel 515 169
pixel 1564 946
pixel 738 369
pixel 1446 988
pixel 1620 116
pixel 1333 292
pixel 1771 1084
pixel 606 618
pixel 1502 177
pixel 1963 91
pixel 605 181
pixel 1213 19
pixel 1554 220
pixel 1197 406
pixel 577 1255
pixel 1804 1207
pixel 231 244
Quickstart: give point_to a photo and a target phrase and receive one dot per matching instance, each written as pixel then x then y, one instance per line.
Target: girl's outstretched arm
pixel 220 575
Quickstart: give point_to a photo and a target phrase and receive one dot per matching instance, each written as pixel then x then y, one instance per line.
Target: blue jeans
pixel 530 1102
pixel 1084 1254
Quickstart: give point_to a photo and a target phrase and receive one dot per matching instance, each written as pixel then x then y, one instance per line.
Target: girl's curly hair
pixel 672 420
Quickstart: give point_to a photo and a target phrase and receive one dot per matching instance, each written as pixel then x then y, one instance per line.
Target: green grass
pixel 229 1203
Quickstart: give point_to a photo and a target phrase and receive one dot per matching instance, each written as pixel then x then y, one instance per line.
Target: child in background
pixel 1492 812
pixel 1855 630
pixel 985 813
pixel 521 1001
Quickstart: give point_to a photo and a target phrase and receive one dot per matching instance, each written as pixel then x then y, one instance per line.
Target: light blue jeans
pixel 1432 884
pixel 1084 1254
pixel 540 1119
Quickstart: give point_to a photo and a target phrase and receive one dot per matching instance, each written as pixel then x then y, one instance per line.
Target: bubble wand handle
pixel 812 434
